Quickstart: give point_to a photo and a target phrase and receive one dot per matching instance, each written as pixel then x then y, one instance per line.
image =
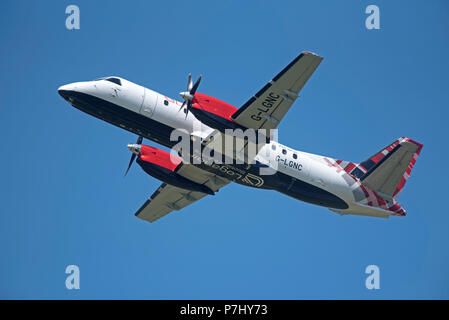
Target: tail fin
pixel 387 171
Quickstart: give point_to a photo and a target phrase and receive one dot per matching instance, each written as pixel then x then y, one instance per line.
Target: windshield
pixel 111 79
pixel 114 80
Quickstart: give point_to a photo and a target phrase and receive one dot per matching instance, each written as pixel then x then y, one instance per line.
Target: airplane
pixel 368 188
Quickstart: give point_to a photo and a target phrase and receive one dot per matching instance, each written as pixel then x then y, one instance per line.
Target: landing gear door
pixel 149 103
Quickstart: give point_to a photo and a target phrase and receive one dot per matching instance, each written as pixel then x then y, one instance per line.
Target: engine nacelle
pixel 214 112
pixel 162 165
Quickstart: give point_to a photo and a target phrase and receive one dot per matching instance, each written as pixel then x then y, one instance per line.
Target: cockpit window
pixel 114 80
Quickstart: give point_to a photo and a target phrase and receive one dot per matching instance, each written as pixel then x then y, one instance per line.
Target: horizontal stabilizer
pixel 388 170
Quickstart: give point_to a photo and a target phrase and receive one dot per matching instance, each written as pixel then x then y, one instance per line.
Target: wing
pixel 267 107
pixel 168 198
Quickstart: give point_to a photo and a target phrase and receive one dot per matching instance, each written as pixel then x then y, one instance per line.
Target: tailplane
pixel 381 178
pixel 387 171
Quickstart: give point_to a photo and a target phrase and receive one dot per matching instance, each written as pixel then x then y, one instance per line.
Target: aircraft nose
pixel 64 91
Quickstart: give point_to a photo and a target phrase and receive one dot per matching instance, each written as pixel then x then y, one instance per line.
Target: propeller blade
pixel 182 106
pixel 189 104
pixel 133 156
pixel 189 83
pixel 195 86
pixel 188 95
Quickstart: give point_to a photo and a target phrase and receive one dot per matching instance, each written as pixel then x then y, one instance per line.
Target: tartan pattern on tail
pixel 355 172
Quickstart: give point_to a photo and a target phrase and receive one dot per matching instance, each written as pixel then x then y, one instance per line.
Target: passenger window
pixel 295 156
pixel 166 102
pixel 284 151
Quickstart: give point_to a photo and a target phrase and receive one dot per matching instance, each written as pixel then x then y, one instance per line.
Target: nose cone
pixel 65 90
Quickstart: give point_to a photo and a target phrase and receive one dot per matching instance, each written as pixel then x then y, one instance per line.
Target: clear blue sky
pixel 65 201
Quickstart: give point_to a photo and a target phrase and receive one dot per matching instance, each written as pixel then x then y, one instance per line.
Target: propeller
pixel 133 156
pixel 190 93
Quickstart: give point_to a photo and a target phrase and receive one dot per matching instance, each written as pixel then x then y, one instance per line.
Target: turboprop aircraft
pixel 369 188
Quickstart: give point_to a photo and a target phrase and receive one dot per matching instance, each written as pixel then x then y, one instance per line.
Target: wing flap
pixel 202 177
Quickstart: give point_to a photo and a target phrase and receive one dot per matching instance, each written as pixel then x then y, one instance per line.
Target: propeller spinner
pixel 135 149
pixel 190 93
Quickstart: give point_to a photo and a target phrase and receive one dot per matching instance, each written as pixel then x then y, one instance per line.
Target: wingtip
pixel 312 54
